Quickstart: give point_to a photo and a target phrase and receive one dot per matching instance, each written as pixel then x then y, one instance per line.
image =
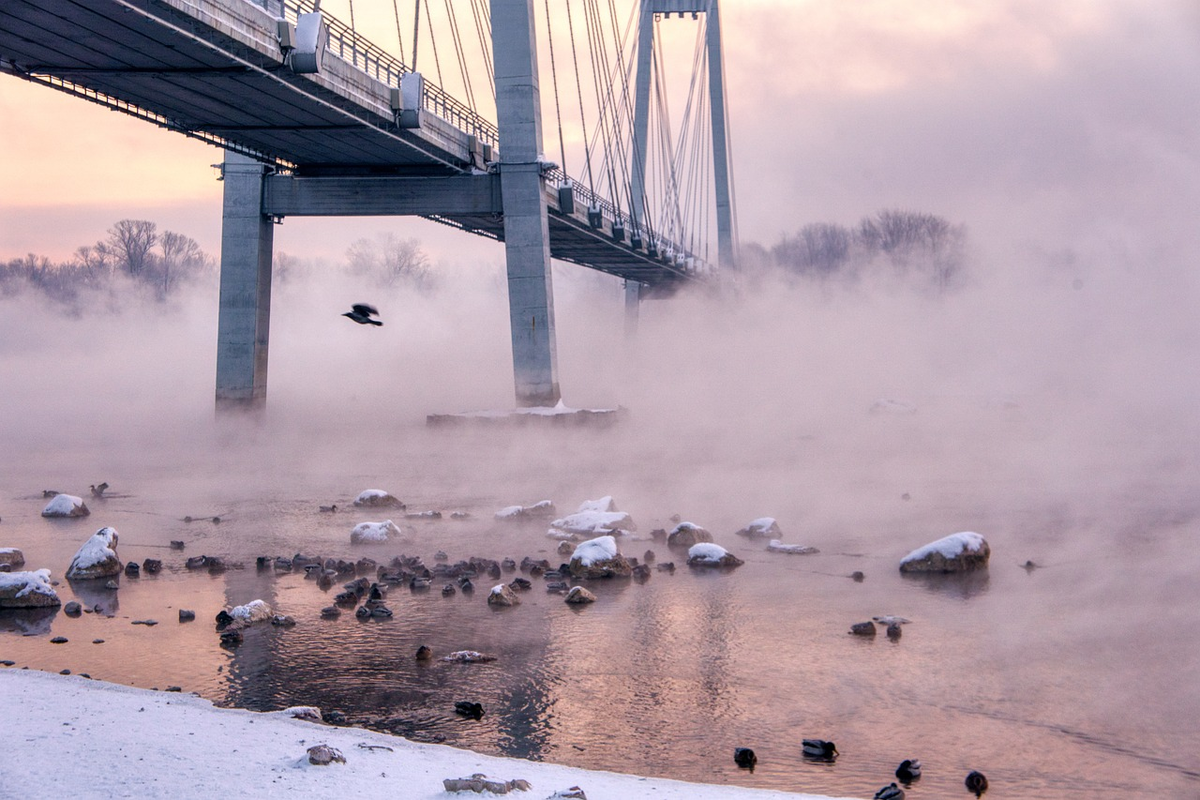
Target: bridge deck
pixel 213 69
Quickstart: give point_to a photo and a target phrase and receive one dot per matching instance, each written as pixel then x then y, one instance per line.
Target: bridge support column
pixel 244 314
pixel 633 297
pixel 526 226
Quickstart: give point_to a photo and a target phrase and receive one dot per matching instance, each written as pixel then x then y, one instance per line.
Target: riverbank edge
pixel 69 735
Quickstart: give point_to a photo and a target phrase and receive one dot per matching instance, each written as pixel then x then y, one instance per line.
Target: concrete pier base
pixel 244 315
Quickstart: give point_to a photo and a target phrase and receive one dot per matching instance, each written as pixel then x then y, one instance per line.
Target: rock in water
pixel 467 657
pixel 599 558
pixel 958 552
pixel 503 595
pixel 469 709
pixel 686 534
pixel 65 505
pixel 539 510
pixel 27 590
pixel 594 518
pixel 373 532
pixel 97 558
pixel 377 498
pixel 761 528
pixel 579 596
pixel 707 554
pixel 863 629
pixel 11 558
pixel 776 546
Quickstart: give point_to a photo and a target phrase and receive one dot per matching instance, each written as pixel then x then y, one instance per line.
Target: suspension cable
pixel 460 53
pixel 562 146
pixel 416 30
pixel 483 32
pixel 437 62
pixel 579 90
pixel 399 38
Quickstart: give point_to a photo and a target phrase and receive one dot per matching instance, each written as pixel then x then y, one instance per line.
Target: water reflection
pixel 27 621
pixel 663 677
pixel 961 585
pixel 94 594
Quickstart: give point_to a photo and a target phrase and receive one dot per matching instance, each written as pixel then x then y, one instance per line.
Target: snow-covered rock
pixel 538 510
pixel 373 532
pixel 958 552
pixel 248 614
pixel 480 783
pixel 594 517
pixel 707 554
pixel 599 558
pixel 503 595
pixel 761 528
pixel 27 590
pixel 776 546
pixel 468 657
pixel 686 534
pixel 11 558
pixel 98 557
pixel 579 595
pixel 377 498
pixel 65 505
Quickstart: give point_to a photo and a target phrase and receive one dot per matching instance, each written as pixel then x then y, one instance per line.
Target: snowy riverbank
pixel 71 736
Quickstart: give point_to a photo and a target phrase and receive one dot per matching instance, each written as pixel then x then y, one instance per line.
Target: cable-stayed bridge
pixel 315 120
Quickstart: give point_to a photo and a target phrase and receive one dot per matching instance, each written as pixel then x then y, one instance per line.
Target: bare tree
pixel 181 258
pixel 819 248
pixel 131 241
pixel 390 261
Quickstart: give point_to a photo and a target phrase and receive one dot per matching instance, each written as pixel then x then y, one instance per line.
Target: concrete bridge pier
pixel 633 297
pixel 526 224
pixel 244 315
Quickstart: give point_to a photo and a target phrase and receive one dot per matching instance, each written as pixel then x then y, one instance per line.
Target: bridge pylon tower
pixel 722 180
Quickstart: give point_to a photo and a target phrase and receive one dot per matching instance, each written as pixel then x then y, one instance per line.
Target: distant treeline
pixel 135 252
pixel 913 245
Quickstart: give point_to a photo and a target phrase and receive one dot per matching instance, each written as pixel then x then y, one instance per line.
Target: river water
pixel 1077 678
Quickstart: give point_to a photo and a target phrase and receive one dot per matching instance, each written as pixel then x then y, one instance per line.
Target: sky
pixel 1046 124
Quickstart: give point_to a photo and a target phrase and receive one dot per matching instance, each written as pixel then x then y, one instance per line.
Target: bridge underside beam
pixel 465 195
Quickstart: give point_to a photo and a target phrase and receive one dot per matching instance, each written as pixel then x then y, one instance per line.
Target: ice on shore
pixel 171 742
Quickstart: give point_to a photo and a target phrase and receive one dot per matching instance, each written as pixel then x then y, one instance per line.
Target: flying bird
pixel 362 313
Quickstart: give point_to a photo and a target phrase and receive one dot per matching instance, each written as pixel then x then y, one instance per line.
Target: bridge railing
pixel 359 51
pixel 355 49
pixel 610 211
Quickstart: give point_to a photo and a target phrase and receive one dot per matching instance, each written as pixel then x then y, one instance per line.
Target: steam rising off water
pixel 1055 415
